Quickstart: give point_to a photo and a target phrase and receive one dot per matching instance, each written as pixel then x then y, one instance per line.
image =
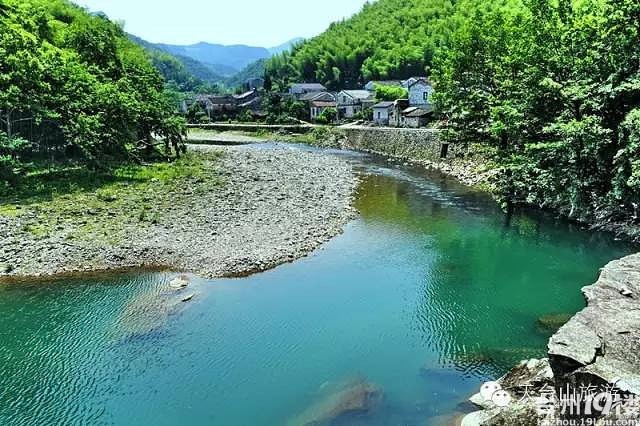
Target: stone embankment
pixel 598 349
pixel 419 146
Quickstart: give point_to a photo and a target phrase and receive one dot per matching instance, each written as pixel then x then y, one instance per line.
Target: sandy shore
pixel 275 205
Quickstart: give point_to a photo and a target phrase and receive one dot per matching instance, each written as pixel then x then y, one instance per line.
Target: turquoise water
pixel 429 293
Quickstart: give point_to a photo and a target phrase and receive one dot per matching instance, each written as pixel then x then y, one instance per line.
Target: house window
pixel 379 115
pixel 344 99
pixel 425 96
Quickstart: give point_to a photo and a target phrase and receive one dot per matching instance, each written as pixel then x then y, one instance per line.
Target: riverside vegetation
pixel 74 88
pixel 551 89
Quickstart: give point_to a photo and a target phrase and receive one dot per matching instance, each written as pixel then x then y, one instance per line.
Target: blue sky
pixel 255 22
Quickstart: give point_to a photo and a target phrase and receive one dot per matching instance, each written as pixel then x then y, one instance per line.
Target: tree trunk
pixel 9 124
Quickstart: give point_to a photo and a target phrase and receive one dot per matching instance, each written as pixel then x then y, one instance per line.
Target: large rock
pixel 531 374
pixel 356 398
pixel 601 344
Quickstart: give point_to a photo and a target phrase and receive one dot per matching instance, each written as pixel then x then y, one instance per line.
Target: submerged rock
pixel 188 298
pixel 357 398
pixel 552 322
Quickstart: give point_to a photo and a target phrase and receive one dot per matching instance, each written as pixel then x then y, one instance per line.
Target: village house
pixel 246 96
pixel 217 104
pixel 350 102
pixel 420 91
pixel 300 89
pixel 246 99
pixel 318 107
pixel 318 102
pixel 382 112
pixel 415 117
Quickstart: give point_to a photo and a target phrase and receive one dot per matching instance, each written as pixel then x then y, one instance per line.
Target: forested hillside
pixel 186 72
pixel 253 70
pixel 387 39
pixel 73 85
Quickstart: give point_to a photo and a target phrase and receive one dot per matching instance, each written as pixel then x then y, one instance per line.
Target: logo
pixel 564 405
pixel 492 391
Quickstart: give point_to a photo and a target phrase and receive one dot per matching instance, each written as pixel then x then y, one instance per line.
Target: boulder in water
pixel 357 398
pixel 552 322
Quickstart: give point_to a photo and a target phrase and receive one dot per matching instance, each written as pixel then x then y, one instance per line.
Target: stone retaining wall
pixel 415 144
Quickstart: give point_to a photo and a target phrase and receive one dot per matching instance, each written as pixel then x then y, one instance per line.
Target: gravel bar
pixel 276 204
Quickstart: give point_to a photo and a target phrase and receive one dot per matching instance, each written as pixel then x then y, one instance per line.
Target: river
pixel 430 292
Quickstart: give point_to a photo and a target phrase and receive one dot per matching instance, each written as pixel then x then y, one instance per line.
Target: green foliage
pixel 554 87
pixel 80 71
pixel 283 110
pixel 327 116
pixel 390 93
pixel 11 150
pixel 387 39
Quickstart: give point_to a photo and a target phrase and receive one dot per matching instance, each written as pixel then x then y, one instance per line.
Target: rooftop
pixel 416 112
pixel 385 104
pixel 415 80
pixel 244 95
pixel 358 94
pixel 315 95
pixel 309 86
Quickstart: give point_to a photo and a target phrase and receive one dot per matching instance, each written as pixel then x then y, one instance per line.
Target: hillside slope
pixel 386 39
pixel 184 71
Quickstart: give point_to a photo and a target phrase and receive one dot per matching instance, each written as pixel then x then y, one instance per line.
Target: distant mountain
pixel 226 60
pixel 285 46
pixel 215 63
pixel 190 66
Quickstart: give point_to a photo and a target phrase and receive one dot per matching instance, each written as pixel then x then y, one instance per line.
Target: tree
pixel 390 93
pixel 61 65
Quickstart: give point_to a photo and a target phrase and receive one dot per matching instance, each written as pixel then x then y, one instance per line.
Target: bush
pixel 9 169
pixel 390 93
pixel 327 116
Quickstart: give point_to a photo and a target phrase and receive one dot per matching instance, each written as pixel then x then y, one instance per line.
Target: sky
pixel 265 23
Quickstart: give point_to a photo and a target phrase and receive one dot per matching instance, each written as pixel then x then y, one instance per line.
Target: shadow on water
pixel 427 294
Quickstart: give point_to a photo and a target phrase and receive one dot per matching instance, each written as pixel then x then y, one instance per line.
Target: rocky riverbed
pixel 254 209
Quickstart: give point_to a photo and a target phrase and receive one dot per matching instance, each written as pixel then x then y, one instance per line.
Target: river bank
pixel 240 211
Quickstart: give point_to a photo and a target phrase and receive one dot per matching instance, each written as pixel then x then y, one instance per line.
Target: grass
pixel 99 205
